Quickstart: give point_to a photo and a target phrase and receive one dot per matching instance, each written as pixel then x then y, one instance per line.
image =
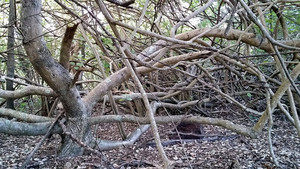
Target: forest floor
pixel 219 150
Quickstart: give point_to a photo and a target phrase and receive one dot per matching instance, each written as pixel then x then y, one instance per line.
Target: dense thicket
pixel 192 60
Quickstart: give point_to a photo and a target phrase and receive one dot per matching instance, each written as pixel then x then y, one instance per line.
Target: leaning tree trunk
pixel 56 76
pixel 10 47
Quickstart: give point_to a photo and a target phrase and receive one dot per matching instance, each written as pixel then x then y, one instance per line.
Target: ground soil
pixel 219 150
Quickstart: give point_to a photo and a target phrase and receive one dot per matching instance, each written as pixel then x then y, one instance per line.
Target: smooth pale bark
pixel 30 118
pixel 130 140
pixel 248 38
pixel 276 98
pixel 27 129
pixel 55 75
pixel 120 76
pixel 240 129
pixel 26 91
pixel 19 128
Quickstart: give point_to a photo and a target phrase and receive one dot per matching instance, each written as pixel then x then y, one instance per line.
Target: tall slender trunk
pixel 10 55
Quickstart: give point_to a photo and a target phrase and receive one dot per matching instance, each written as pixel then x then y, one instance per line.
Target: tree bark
pixel 56 76
pixel 10 47
pixel 65 51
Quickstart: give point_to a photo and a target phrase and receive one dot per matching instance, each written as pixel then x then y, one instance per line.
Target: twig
pixel 14 80
pixel 269 110
pixel 109 93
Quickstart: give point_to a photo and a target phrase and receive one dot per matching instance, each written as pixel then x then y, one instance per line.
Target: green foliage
pixel 80 64
pixel 292 18
pixel 22 106
pixel 269 19
pixel 106 67
pixel 204 23
pixel 76 65
pixel 249 95
pixel 106 41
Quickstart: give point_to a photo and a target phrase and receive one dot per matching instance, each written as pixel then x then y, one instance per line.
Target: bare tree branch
pixel 26 91
pixel 123 4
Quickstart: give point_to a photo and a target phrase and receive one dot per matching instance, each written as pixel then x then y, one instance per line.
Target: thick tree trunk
pixel 56 76
pixel 10 47
pixel 82 132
